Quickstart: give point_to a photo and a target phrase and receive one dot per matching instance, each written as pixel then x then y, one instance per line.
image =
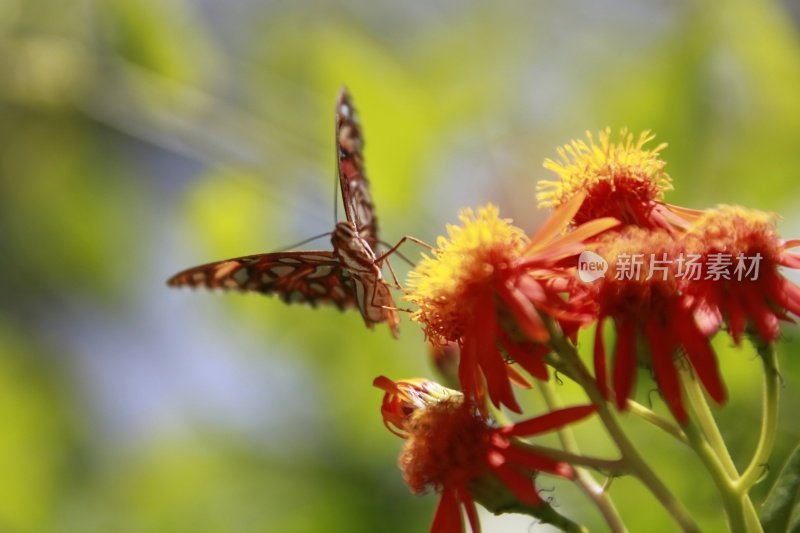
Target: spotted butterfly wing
pixel 346 277
pixel 358 206
pixel 311 277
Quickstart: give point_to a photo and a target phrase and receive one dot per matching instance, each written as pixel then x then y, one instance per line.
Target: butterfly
pixel 347 276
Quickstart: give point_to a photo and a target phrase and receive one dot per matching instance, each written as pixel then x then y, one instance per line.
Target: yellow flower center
pixel 616 177
pixel 446 285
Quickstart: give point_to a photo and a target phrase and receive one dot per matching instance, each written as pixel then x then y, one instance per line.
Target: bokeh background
pixel 138 137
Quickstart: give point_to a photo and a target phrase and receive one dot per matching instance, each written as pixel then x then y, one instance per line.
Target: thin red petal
pixel 737 319
pixel 466 501
pixel 548 422
pixel 526 314
pixel 468 372
pixel 448 514
pixel 489 359
pixel 789 296
pixel 531 362
pixel 665 372
pixel 539 463
pixel 522 486
pixel 702 357
pixel 763 318
pixel 600 368
pixel 625 365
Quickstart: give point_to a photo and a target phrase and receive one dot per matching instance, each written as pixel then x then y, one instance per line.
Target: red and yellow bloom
pixel 488 286
pixel 748 286
pixel 452 448
pixel 643 295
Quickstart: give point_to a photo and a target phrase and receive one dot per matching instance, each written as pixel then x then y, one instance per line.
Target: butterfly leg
pixel 394 248
pixel 394 276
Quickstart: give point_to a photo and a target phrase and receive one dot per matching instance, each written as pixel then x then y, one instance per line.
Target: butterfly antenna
pixel 301 243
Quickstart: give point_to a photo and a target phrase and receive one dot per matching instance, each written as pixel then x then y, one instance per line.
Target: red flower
pixel 646 302
pixel 746 285
pixel 453 449
pixel 488 287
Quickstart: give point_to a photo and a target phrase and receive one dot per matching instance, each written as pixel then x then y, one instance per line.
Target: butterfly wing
pixel 358 206
pixel 311 277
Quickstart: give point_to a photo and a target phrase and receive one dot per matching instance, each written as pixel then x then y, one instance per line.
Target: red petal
pixel 531 362
pixel 789 296
pixel 762 316
pixel 625 365
pixel 526 314
pixel 708 318
pixel 664 368
pixel 702 357
pixel 791 260
pixel 468 372
pixel 489 359
pixel 448 514
pixel 522 486
pixel 548 422
pixel 737 320
pixel 469 507
pixel 516 377
pixel 539 463
pixel 600 369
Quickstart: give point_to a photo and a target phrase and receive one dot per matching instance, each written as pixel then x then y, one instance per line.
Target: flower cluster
pixel 500 308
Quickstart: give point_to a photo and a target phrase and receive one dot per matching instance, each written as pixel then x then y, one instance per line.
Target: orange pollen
pixel 446 447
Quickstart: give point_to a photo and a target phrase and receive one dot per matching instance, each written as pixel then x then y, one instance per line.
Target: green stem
pixel 709 445
pixel 769 419
pixel 628 451
pixel 657 420
pixel 593 490
pixel 708 425
pixel 731 499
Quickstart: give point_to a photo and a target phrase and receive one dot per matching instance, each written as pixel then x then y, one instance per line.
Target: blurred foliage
pixel 138 137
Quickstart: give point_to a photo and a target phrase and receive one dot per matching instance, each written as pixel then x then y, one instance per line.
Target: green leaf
pixel 781 504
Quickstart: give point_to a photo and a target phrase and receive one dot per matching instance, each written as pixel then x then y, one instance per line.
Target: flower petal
pixel 664 369
pixel 699 352
pixel 526 314
pixel 548 422
pixel 448 514
pixel 555 223
pixel 600 369
pixel 625 365
pixel 521 485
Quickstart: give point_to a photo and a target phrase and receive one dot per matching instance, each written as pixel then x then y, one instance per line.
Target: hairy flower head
pixel 446 285
pixel 624 179
pixel 747 286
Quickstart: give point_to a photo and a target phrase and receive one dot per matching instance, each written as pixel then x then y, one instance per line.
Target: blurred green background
pixel 139 137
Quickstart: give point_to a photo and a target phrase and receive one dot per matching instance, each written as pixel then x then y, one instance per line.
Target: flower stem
pixel 731 499
pixel 630 455
pixel 708 444
pixel 657 420
pixel 593 490
pixel 769 418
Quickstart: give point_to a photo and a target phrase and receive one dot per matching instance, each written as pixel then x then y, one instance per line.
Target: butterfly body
pixel 347 276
